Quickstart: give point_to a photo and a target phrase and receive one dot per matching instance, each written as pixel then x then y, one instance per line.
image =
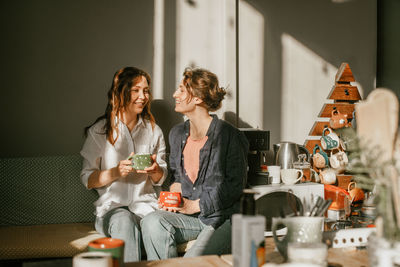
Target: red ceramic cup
pixel 113 246
pixel 170 199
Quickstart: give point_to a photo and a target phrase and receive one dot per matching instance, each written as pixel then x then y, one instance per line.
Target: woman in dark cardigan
pixel 208 163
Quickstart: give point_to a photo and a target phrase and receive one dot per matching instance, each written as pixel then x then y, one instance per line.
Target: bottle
pixel 247 233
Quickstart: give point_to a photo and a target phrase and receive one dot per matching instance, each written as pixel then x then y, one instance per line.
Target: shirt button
pixel 194 188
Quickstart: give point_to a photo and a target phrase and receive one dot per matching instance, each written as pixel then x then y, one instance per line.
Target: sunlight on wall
pixel 251 65
pixel 205 37
pixel 158 49
pixel 307 80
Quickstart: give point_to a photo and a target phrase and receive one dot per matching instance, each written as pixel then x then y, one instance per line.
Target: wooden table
pixel 336 257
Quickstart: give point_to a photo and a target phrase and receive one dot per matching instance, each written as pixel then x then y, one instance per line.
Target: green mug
pixel 141 161
pixel 113 246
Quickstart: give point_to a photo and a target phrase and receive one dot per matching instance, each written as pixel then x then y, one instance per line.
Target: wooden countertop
pixel 336 258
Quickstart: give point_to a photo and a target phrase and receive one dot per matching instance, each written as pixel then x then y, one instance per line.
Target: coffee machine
pixel 259 146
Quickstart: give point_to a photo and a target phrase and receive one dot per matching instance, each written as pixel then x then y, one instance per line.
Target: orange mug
pixel 170 199
pixel 110 245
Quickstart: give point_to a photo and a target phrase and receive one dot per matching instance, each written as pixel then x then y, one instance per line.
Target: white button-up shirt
pixel 134 191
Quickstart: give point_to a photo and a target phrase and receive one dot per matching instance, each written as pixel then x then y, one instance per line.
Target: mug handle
pixel 317 179
pixel 350 185
pixel 301 175
pixel 130 158
pixel 326 128
pixel 280 244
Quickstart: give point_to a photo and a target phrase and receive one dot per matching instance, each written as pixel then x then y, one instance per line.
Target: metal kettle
pixel 286 153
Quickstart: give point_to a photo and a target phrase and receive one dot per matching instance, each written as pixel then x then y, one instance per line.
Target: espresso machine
pixel 256 156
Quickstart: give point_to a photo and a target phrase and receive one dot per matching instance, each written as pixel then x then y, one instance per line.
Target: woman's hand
pixel 154 171
pixel 188 206
pixel 105 177
pixel 124 168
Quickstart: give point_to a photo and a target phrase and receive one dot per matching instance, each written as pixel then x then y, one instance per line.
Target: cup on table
pixel 92 259
pixel 275 173
pixel 170 199
pixel 141 161
pixel 308 253
pixel 113 246
pixel 301 229
pixel 291 176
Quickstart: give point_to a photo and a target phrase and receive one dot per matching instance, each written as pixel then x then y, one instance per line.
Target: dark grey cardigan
pixel 222 170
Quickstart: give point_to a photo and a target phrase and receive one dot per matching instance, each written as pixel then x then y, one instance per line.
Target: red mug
pixel 170 199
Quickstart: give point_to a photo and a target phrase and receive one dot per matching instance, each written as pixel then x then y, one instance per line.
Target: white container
pixel 245 230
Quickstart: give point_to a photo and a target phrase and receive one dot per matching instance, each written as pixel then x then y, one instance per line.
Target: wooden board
pixel 343 180
pixel 344 74
pixel 318 127
pixel 310 144
pixel 343 108
pixel 342 92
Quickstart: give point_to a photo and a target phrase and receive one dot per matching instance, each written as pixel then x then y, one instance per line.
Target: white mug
pixel 275 173
pixel 328 176
pixel 291 176
pixel 338 160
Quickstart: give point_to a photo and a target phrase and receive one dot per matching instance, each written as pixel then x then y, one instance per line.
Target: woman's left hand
pixel 155 172
pixel 190 206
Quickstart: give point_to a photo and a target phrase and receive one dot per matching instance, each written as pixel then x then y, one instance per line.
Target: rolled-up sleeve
pixel 224 187
pixel 91 153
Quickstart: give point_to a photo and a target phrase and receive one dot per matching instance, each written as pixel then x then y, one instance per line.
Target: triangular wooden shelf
pixel 344 74
pixel 344 108
pixel 344 96
pixel 344 92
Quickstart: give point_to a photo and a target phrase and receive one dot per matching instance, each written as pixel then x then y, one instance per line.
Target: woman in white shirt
pixel 126 128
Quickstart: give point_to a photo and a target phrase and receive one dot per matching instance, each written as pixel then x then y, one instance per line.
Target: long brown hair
pixel 119 96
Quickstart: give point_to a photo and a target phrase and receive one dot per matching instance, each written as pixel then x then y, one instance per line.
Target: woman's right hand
pixel 124 168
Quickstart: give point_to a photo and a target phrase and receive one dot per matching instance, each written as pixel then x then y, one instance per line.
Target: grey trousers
pixel 122 224
pixel 163 230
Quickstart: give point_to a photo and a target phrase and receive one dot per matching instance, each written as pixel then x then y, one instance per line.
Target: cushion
pixel 44 190
pixel 45 241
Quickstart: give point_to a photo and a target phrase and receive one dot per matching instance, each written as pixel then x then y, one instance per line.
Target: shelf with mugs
pixel 328 139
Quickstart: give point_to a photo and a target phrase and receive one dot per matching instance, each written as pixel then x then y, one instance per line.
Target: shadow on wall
pixel 230 117
pixel 166 117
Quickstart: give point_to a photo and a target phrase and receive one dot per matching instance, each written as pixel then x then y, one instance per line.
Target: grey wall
pixel 388 60
pixel 58 60
pixel 337 32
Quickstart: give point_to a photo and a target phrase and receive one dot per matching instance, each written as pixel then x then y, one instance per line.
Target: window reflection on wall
pixel 205 37
pixel 306 82
pixel 251 65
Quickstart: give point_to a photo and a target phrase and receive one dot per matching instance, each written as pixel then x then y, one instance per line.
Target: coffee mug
pixel 329 141
pixel 275 173
pixel 301 229
pixel 309 175
pixel 113 246
pixel 291 176
pixel 92 259
pixel 170 199
pixel 328 176
pixel 338 120
pixel 339 160
pixel 356 193
pixel 141 161
pixel 320 158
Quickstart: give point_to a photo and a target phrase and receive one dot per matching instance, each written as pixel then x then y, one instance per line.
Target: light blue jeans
pixel 163 230
pixel 122 224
